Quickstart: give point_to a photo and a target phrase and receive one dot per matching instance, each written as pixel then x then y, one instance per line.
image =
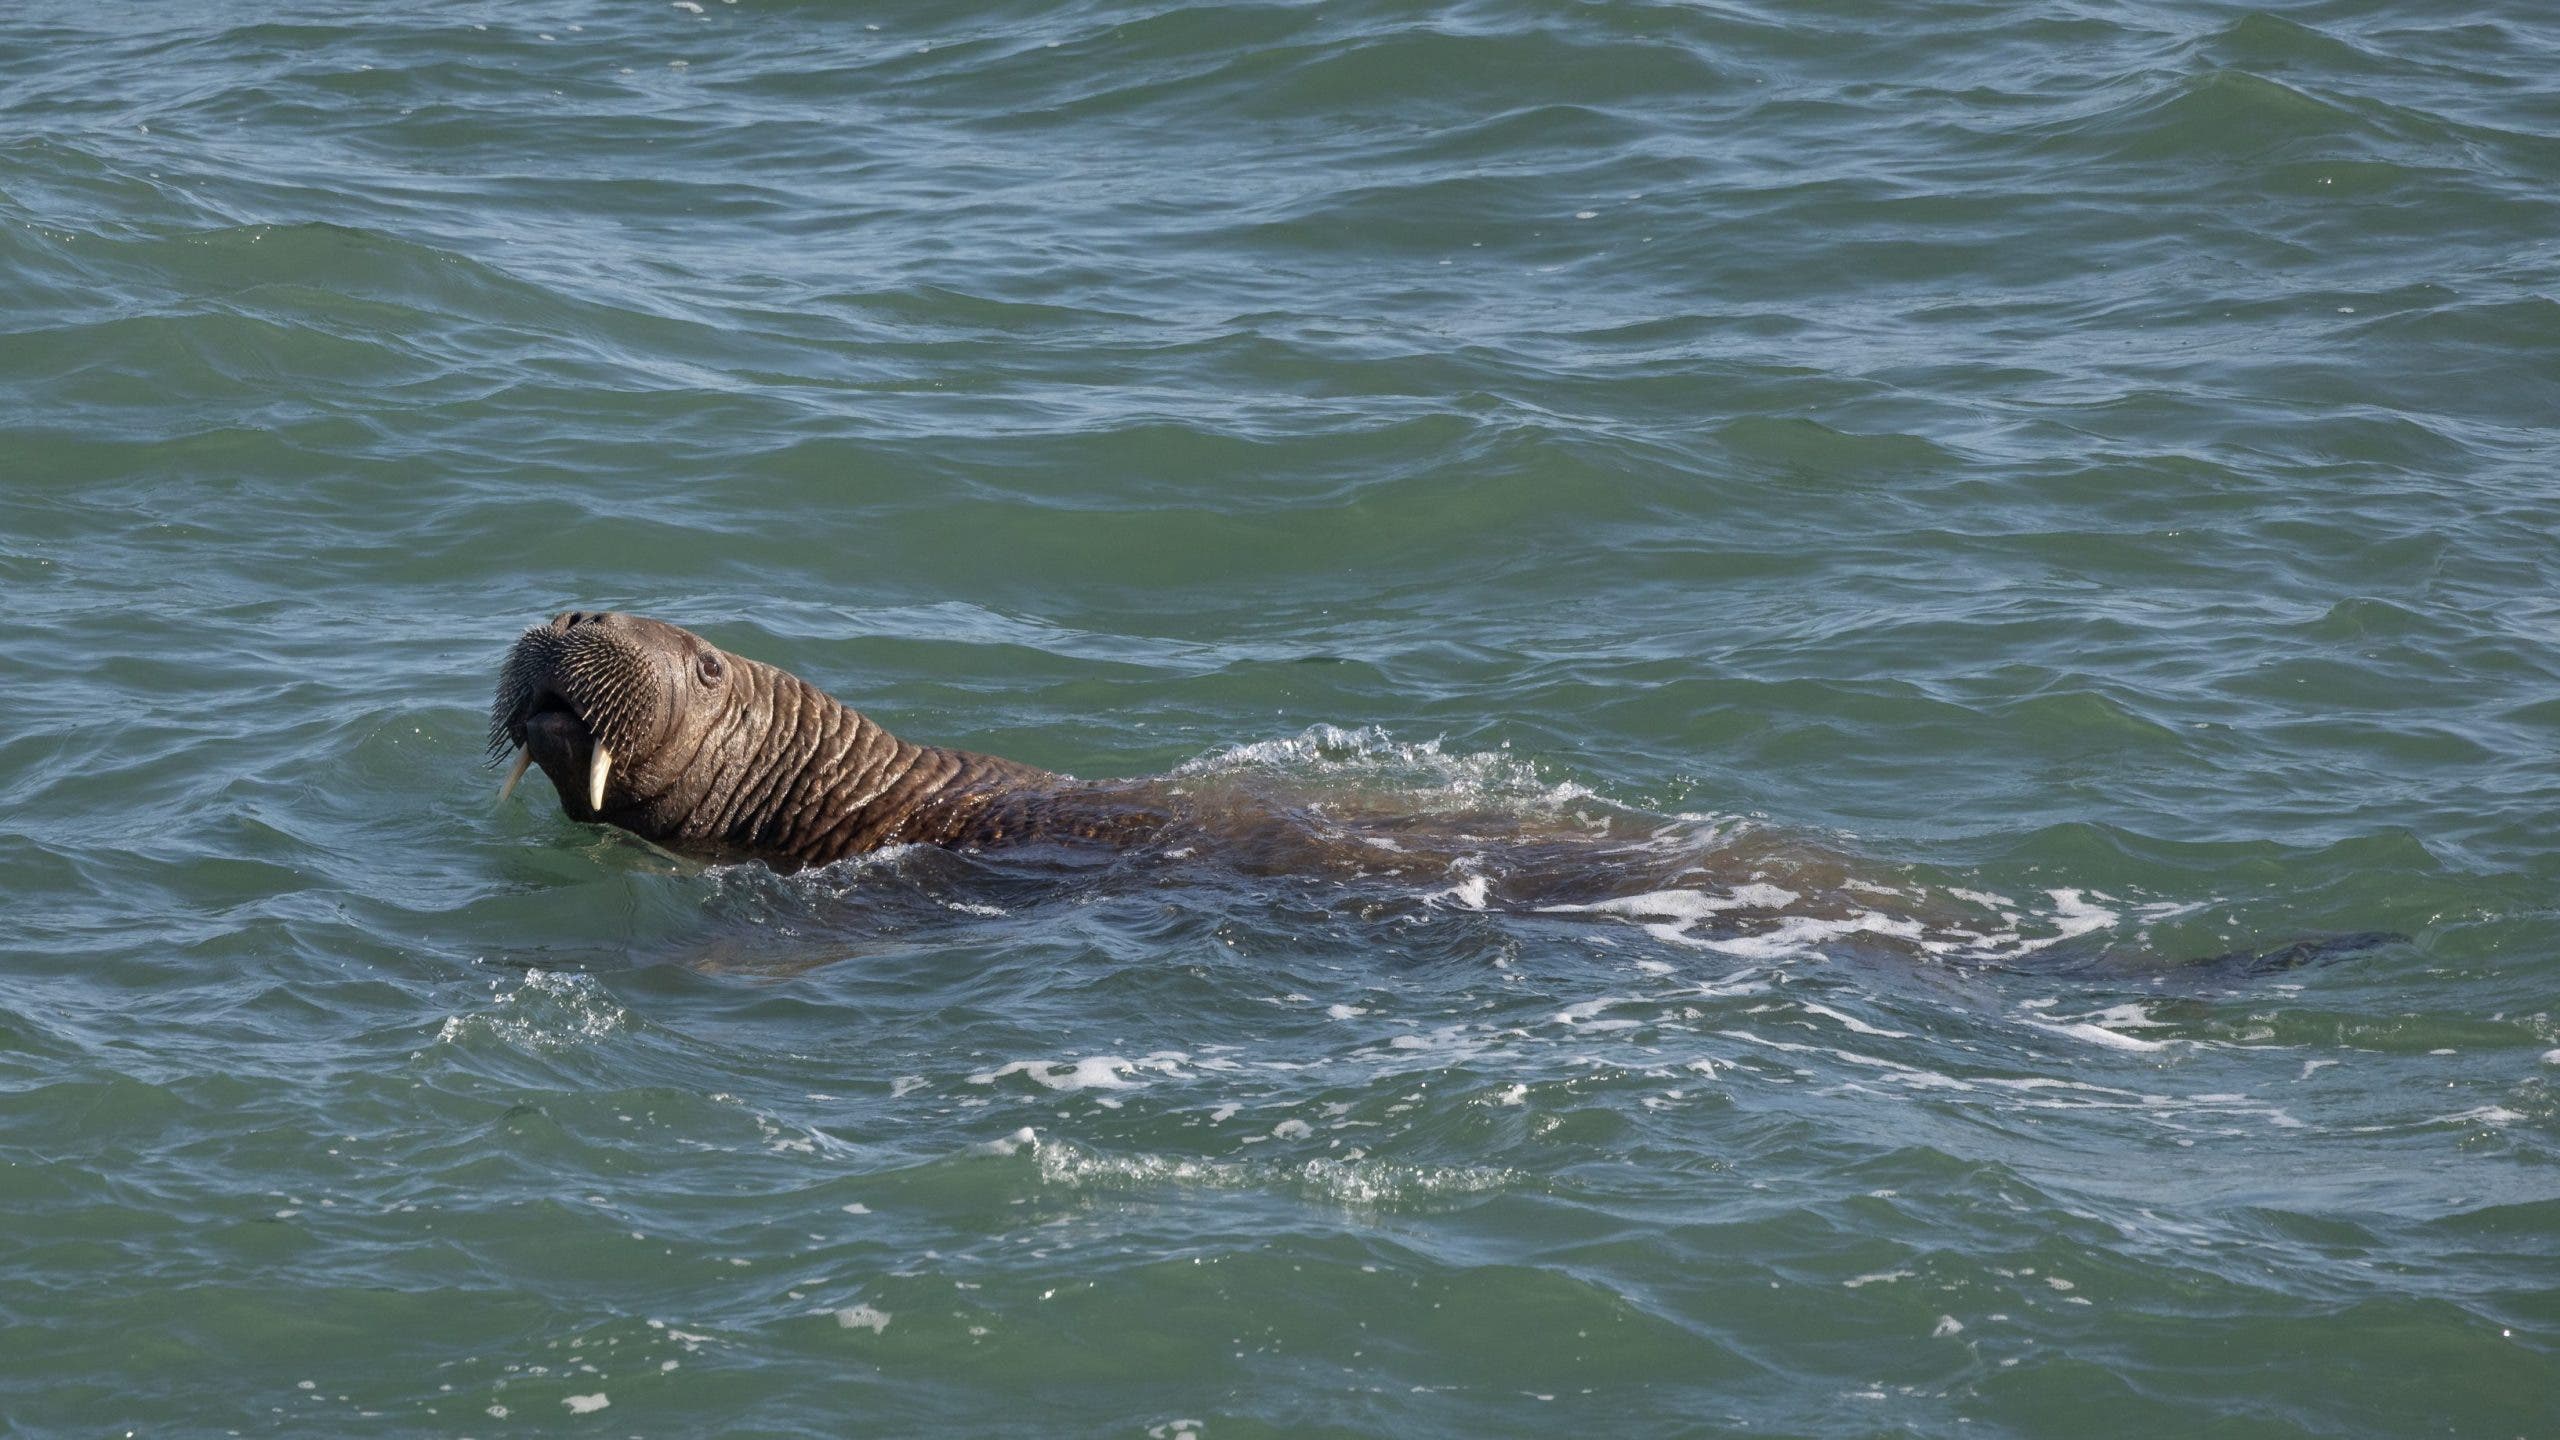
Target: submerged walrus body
pixel 652 729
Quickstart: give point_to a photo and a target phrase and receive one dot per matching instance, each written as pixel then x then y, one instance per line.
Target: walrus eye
pixel 707 665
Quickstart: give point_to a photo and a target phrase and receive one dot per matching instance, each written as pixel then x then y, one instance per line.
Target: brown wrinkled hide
pixel 726 758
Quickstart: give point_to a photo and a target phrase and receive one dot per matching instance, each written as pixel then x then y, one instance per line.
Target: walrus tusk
pixel 597 768
pixel 524 757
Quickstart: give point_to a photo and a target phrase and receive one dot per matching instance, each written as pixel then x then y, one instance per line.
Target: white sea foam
pixel 1675 913
pixel 1753 921
pixel 863 1317
pixel 1685 905
pixel 1099 1072
pixel 2099 1035
pixel 2122 1017
pixel 2073 916
pixel 1013 1144
pixel 2485 1115
pixel 1801 934
pixel 2105 1027
pixel 1351 1179
pixel 1853 1022
pixel 1786 1045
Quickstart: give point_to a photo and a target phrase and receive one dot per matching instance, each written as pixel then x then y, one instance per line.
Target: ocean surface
pixel 2094 464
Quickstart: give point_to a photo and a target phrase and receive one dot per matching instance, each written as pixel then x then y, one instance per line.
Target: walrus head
pixel 601 701
pixel 654 729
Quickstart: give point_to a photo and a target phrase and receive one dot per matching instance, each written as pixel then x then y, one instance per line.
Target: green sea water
pixel 2095 459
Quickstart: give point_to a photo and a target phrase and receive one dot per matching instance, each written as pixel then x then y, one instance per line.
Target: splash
pixel 1353 1180
pixel 1761 921
pixel 546 1011
pixel 1369 758
pixel 1100 1072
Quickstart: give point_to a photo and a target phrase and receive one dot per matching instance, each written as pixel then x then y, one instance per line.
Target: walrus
pixel 648 727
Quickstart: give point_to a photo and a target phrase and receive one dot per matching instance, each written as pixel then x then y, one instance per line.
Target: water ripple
pixel 2064 499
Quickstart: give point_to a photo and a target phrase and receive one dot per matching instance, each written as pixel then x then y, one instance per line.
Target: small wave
pixel 1672 915
pixel 1684 905
pixel 2073 916
pixel 1353 1180
pixel 836 879
pixel 546 1011
pixel 2099 1035
pixel 1100 1072
pixel 1752 921
pixel 1371 757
